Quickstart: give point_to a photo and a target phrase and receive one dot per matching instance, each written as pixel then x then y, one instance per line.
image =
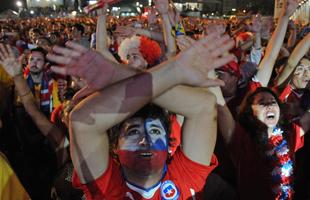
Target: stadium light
pixel 19 3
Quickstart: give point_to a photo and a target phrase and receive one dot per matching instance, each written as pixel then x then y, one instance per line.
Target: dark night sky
pixel 5 4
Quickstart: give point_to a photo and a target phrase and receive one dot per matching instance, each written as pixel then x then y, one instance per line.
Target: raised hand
pixel 103 10
pixel 151 17
pixel 213 27
pixel 205 55
pixel 256 24
pixel 9 61
pixel 90 66
pixel 162 6
pixel 291 25
pixel 124 31
pixel 289 7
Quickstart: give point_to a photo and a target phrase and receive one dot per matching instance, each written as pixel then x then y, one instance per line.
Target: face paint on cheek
pixel 150 157
pixel 142 165
pixel 156 134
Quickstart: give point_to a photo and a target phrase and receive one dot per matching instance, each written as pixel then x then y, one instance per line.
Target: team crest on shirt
pixel 169 191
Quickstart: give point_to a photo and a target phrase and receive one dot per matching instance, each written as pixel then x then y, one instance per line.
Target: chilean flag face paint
pixel 142 145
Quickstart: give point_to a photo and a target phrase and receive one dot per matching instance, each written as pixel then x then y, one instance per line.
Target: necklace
pixel 282 166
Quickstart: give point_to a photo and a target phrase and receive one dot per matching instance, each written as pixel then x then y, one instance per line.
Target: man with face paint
pixel 142 138
pixel 143 145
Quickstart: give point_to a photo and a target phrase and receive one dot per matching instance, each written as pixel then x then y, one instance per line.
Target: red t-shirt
pixel 253 171
pixel 183 180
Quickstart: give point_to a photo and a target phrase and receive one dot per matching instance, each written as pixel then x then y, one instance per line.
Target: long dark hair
pixel 253 126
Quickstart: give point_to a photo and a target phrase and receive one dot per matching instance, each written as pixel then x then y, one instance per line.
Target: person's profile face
pixel 301 75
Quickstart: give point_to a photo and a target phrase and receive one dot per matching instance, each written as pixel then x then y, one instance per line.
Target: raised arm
pixel 102 110
pixel 275 43
pixel 292 37
pixel 127 31
pixel 54 134
pixel 299 51
pixel 163 8
pixel 199 128
pixel 102 35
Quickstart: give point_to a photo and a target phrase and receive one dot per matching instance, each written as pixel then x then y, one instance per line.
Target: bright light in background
pixel 233 9
pixel 19 3
pixel 137 3
pixel 74 13
pixel 38 0
pixel 91 2
pixel 244 11
pixel 150 2
pixel 31 12
pixel 141 5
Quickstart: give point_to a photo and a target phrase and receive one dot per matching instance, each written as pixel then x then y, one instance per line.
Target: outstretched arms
pixel 275 43
pixel 102 110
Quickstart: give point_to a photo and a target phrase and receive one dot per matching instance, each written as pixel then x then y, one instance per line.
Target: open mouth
pixel 146 154
pixel 270 116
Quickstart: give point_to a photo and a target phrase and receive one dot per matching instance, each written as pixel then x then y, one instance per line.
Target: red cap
pixel 232 67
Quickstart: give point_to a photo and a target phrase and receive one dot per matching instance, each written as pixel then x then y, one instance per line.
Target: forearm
pixel 272 51
pixel 55 135
pixel 151 34
pixel 105 112
pixel 101 34
pixel 169 39
pixel 225 117
pixel 173 100
pixel 45 126
pixel 292 39
pixel 258 41
pixel 199 132
pixel 299 52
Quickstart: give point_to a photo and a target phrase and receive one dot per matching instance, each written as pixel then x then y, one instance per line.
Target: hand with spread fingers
pixel 205 55
pixel 9 61
pixel 90 66
pixel 124 31
pixel 162 6
pixel 289 7
pixel 256 26
pixel 83 63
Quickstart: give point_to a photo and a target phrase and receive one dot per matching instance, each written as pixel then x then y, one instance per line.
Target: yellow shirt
pixel 10 186
pixel 4 77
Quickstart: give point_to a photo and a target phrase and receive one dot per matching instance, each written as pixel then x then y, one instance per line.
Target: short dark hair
pixel 41 50
pixel 148 111
pixel 79 27
pixel 46 39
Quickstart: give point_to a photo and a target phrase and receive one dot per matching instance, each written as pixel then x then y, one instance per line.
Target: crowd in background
pixel 241 84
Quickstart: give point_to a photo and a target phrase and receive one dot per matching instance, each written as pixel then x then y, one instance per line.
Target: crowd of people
pixel 157 106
